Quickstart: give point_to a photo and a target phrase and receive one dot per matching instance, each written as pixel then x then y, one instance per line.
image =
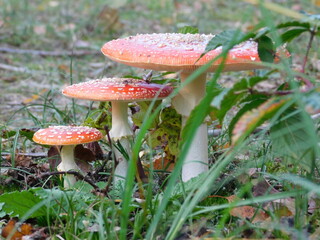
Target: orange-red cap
pixel 66 135
pixel 117 89
pixel 176 52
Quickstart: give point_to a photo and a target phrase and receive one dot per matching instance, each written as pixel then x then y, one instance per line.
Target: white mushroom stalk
pixel 121 131
pixel 68 164
pixel 196 161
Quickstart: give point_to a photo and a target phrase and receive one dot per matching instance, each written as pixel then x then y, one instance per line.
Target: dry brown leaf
pixel 23 161
pixel 64 68
pixel 54 157
pixel 282 207
pixel 263 187
pixel 20 160
pixel 18 233
pixel 34 97
pixel 83 154
pixel 161 163
pixel 82 157
pixel 245 212
pixel 95 149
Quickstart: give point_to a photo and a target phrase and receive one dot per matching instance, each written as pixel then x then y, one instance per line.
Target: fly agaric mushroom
pixel 68 137
pixel 182 52
pixel 120 91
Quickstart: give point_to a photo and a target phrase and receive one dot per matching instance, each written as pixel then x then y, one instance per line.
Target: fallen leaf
pixel 54 157
pixel 95 148
pixel 82 157
pixel 83 154
pixel 23 161
pixel 263 187
pixel 245 212
pixel 34 97
pixel 162 163
pixel 20 160
pixel 252 119
pixel 64 68
pixel 16 232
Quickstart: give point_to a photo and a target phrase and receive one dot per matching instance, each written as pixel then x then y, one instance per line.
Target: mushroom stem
pixel 120 125
pixel 196 161
pixel 67 164
pixel 121 131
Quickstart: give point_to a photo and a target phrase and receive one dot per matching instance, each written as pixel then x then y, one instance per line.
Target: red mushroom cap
pixel 176 52
pixel 66 135
pixel 117 89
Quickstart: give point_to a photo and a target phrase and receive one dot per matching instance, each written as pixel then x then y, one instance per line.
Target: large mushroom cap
pixel 66 135
pixel 175 52
pixel 117 89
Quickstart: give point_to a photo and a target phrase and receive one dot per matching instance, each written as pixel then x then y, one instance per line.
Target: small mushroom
pixel 182 52
pixel 68 137
pixel 120 91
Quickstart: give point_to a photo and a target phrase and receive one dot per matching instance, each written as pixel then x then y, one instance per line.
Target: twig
pixel 148 77
pixel 78 53
pixel 85 178
pixel 106 189
pixel 277 93
pixel 14 69
pixel 33 155
pixel 305 60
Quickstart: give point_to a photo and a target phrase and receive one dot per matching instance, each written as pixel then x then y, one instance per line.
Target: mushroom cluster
pixel 120 91
pixel 183 53
pixel 160 52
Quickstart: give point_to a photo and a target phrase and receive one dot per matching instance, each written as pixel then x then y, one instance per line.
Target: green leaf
pixel 291 34
pixel 188 29
pixel 294 24
pixel 266 49
pixel 140 116
pixel 8 134
pixel 262 32
pixel 229 98
pixel 252 119
pixel 17 204
pixel 167 133
pixel 70 200
pixel 226 39
pixel 28 133
pixel 292 140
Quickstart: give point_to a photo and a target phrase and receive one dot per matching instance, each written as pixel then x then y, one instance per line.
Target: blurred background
pixel 47 44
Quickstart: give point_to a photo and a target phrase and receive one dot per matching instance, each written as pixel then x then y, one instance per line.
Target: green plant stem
pixel 305 60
